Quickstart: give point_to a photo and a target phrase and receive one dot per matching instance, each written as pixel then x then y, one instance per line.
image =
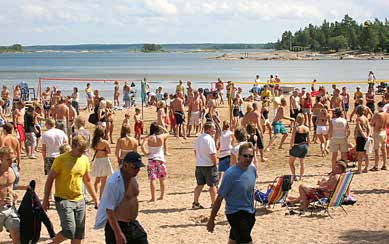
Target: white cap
pixel 358 87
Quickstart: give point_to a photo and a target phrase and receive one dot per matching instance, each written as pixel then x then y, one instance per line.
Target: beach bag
pixel 93 118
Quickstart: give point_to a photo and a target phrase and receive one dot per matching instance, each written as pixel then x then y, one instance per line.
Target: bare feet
pixel 267 149
pixel 168 154
pixel 160 198
pixel 264 159
pixel 151 200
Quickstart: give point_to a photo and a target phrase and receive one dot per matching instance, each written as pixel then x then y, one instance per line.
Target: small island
pixel 16 48
pixel 152 48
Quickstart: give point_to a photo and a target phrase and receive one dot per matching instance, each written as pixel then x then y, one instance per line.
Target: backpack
pixel 287 183
pixel 93 118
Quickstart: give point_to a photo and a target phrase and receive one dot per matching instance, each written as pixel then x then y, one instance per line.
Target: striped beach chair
pixel 337 196
pixel 280 190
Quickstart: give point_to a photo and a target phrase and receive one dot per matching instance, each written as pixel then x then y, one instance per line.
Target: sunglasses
pixel 247 155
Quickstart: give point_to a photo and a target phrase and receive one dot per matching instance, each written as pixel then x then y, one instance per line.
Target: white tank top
pixel 225 143
pixel 156 153
pixel 339 128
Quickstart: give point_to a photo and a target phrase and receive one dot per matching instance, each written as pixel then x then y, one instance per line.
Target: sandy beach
pixel 173 221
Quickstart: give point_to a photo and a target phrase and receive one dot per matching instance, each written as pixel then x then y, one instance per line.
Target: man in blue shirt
pixel 237 188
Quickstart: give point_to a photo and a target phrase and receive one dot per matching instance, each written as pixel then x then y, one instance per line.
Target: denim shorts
pixel 299 151
pixel 224 163
pixel 72 217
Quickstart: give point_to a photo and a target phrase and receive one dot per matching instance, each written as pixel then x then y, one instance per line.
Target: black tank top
pixel 265 114
pixel 300 138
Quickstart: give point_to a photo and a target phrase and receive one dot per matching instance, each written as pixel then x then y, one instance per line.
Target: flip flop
pixel 374 169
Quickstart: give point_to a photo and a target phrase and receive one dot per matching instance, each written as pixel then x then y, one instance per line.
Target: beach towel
pixel 369 145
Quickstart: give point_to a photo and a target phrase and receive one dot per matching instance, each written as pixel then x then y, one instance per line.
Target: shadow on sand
pixel 355 235
pixel 373 191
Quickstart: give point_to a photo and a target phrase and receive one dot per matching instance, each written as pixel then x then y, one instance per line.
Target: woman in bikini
pixel 102 167
pixel 265 118
pixel 125 143
pixel 323 119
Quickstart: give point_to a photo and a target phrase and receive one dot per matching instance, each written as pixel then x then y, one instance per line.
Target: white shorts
pixel 322 130
pixel 194 118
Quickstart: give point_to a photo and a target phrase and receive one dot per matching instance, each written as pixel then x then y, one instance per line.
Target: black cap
pixel 135 158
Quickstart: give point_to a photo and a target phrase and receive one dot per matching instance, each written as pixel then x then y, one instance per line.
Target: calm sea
pixel 165 69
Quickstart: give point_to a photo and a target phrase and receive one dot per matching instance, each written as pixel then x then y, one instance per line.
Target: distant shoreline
pixel 302 55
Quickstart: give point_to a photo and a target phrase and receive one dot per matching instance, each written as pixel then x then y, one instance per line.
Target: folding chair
pixel 280 189
pixel 336 196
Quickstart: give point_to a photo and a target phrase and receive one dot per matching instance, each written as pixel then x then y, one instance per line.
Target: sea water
pixel 165 69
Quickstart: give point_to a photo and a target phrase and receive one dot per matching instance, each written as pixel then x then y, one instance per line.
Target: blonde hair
pixel 161 104
pixel 79 141
pixel 109 103
pixel 79 122
pixel 249 108
pixel 64 148
pixel 300 118
pixel 103 104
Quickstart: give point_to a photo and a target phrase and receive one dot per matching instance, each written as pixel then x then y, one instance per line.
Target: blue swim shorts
pixel 224 163
pixel 279 128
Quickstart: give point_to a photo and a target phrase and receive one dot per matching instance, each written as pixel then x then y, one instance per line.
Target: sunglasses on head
pixel 247 155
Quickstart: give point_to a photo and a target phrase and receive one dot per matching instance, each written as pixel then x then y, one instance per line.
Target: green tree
pixel 337 42
pixel 151 48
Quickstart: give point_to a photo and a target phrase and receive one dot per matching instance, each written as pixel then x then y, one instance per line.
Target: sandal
pixel 374 169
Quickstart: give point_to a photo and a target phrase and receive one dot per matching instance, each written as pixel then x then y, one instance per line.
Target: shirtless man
pixel 278 126
pixel 253 117
pixel 10 141
pixel 195 108
pixel 220 88
pixel 9 216
pixel 315 112
pixel 336 101
pixel 119 204
pixel 212 114
pixel 18 119
pixel 294 106
pixel 60 114
pixel 323 118
pixel 6 98
pixel 177 106
pixel 346 101
pixel 72 117
pixel 378 122
pixel 324 188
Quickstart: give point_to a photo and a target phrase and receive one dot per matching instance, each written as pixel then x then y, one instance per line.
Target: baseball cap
pixel 135 158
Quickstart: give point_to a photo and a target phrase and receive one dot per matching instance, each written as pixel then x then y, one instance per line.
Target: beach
pixel 173 221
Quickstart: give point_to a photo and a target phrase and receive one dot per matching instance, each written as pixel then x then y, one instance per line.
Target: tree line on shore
pixel 12 49
pixel 344 35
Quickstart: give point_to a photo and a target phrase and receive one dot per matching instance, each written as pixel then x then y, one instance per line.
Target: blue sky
pixel 39 22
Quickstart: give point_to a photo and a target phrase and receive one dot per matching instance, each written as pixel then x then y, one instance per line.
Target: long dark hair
pixel 154 128
pixel 125 130
pixel 97 135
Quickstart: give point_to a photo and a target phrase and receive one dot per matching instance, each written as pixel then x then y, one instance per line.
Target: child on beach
pixel 110 112
pixel 138 127
pixel 127 119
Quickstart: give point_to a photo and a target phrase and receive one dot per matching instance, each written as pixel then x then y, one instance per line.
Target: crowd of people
pixel 228 150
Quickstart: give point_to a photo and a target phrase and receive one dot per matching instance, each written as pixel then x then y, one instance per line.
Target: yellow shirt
pixel 266 94
pixel 70 172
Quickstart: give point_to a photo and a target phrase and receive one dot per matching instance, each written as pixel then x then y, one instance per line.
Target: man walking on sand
pixel 378 122
pixel 10 141
pixel 237 188
pixel 206 160
pixel 119 204
pixel 69 171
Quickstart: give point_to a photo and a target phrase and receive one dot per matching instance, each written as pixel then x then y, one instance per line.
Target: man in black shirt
pixel 29 129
